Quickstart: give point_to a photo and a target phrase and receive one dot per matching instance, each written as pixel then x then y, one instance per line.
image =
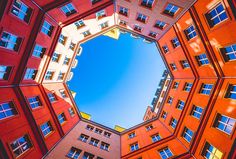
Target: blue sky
pixel 116 80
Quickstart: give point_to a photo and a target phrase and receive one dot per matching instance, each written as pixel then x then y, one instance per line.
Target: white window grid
pixel 30 73
pixel 10 40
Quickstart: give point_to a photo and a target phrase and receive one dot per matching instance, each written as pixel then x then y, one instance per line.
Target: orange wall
pixel 225 29
pixel 143 137
pixel 175 55
pixel 217 138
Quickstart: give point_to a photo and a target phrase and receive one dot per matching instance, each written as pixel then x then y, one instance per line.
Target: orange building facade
pixel 196 119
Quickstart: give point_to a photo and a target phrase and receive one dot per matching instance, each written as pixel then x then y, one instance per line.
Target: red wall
pixel 14 127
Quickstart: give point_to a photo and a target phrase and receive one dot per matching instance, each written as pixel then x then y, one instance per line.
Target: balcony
pixel 70 76
pixel 74 64
pixel 79 51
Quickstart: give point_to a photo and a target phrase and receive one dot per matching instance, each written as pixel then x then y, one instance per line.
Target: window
pixel 122 22
pixel 46 128
pixel 20 10
pixel 79 24
pixel 100 14
pixel 34 102
pixel 180 105
pixel 173 123
pixel 83 138
pixel 229 52
pixel 62 118
pixel 7 109
pixel 132 135
pixel 216 15
pixel 142 18
pixel 202 59
pixel 156 138
pixel 74 153
pixel 210 152
pixel 71 112
pixel 173 66
pixel 165 153
pixel 88 156
pixel 5 72
pixel 107 134
pixel 10 41
pixel 21 145
pixel 224 123
pixel 231 92
pixel 196 112
pixel 137 28
pixel 47 28
pixel 187 87
pixel 152 34
pixel 38 51
pixel 175 85
pixel 86 33
pixel 164 115
pixel 171 10
pixel 104 146
pixel 98 131
pixel 94 142
pixel 62 39
pixel 66 61
pixel 134 147
pixel 72 46
pixel 175 42
pixel 95 1
pixel 123 11
pixel 165 48
pixel 90 128
pixel 160 24
pixel 170 100
pixel 147 3
pixel 190 32
pixel 149 127
pixel 51 97
pixel 206 89
pixel 49 75
pixel 187 134
pixel 68 9
pixel 184 64
pixel 56 57
pixel 30 74
pixel 63 93
pixel 60 76
pixel 103 25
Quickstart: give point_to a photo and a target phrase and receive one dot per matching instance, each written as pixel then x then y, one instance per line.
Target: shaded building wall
pixel 153 14
pixel 42 114
pixel 72 140
pixel 62 104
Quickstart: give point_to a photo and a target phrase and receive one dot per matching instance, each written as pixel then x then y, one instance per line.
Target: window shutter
pixel 28 14
pixel 210 22
pixel 223 52
pixel 17 45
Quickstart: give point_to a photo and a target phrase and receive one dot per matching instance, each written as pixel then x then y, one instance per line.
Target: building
pixel 39 41
pixel 90 140
pixel 160 96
